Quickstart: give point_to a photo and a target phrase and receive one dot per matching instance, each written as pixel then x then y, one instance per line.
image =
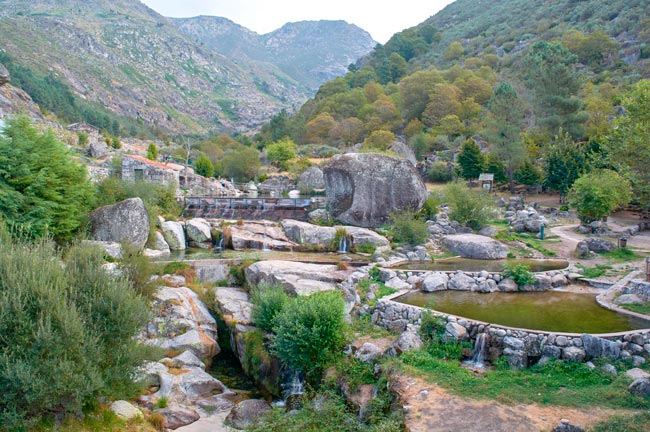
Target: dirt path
pixel 433 409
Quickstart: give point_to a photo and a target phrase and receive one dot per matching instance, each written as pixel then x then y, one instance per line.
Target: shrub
pixel 152 152
pixel 309 331
pixel 408 228
pixel 599 193
pixel 138 269
pixel 431 327
pixel 440 172
pixel 67 330
pixel 366 248
pixel 430 208
pixel 468 207
pixel 268 301
pixel 520 273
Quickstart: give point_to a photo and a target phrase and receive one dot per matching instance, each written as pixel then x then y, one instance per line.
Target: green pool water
pixel 554 311
pixel 476 265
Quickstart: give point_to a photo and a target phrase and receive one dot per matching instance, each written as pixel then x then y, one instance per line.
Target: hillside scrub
pixel 67 330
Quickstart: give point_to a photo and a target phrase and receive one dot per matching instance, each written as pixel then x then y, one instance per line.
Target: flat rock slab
pixel 475 246
pixel 296 277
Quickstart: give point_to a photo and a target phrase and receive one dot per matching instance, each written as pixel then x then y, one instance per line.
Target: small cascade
pixel 265 243
pixel 343 245
pixel 219 247
pixel 364 408
pixel 293 392
pixel 478 353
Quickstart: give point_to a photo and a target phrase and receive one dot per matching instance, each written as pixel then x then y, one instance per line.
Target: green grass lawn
pixel 557 383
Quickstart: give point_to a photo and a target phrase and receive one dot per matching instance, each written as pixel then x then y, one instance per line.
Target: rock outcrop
pixel 258 235
pixel 475 246
pixel 315 237
pixel 363 189
pixel 124 222
pixel 247 413
pixel 182 322
pixel 311 179
pixel 174 234
pixel 4 75
pixel 296 278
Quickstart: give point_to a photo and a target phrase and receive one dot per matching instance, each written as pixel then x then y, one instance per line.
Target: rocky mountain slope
pixel 310 52
pixel 124 56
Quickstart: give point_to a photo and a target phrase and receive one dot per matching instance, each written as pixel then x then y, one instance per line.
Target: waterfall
pixel 478 353
pixel 343 245
pixel 219 245
pixel 265 243
pixel 293 392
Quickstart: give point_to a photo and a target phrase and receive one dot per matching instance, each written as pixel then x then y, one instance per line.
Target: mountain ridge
pixel 128 58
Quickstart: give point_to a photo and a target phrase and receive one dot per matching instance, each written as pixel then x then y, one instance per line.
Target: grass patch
pixel 642 308
pixel 557 383
pixel 635 423
pixel 594 272
pixel 530 241
pixel 621 255
pixel 102 420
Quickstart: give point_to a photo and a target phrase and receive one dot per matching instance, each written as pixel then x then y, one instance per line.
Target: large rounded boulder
pixel 475 246
pixel 363 189
pixel 124 222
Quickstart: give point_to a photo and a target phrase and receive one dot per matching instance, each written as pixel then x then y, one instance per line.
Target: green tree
pixel 564 163
pixel 528 174
pixel 68 331
pixel 152 152
pixel 598 194
pixel 629 142
pixel 550 73
pixel 309 331
pixel 268 301
pixel 43 190
pixel 454 51
pixel 470 159
pixel 203 166
pixel 241 164
pixel 504 129
pixel 280 153
pixel 379 140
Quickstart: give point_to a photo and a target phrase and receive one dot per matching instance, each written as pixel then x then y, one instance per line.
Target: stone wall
pixel 640 288
pixel 522 347
pixel 482 281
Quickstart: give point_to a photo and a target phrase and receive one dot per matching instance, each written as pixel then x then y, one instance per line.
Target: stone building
pixel 136 168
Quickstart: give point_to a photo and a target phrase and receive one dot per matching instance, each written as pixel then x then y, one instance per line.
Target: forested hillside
pixel 526 81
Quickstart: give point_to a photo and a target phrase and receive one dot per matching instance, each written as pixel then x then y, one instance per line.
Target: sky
pixel 380 18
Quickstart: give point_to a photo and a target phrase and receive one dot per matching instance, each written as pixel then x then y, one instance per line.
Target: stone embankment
pixel 521 347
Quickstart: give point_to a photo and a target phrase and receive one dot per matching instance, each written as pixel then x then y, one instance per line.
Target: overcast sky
pixel 380 18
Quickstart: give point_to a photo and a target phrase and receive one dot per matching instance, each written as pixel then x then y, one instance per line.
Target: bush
pixel 309 331
pixel 520 273
pixel 599 193
pixel 440 172
pixel 67 330
pixel 138 270
pixel 408 228
pixel 430 208
pixel 431 327
pixel 468 207
pixel 268 301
